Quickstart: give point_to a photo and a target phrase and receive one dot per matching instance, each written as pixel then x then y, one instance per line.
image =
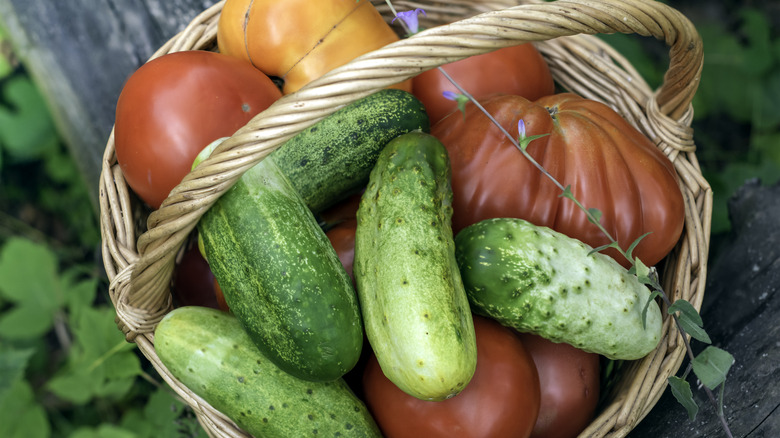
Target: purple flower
pixel 451 95
pixel 521 129
pixel 410 18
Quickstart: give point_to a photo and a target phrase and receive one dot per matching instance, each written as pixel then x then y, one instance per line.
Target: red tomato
pixel 519 70
pixel 174 106
pixel 342 237
pixel 501 400
pixel 193 281
pixel 569 378
pixel 608 163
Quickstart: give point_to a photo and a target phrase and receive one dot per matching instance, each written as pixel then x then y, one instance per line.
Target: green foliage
pixel 26 129
pixel 65 368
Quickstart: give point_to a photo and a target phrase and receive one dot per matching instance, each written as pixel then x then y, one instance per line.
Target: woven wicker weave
pixel 140 248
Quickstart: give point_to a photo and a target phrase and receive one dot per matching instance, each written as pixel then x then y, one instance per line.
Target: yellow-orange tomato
pixel 299 41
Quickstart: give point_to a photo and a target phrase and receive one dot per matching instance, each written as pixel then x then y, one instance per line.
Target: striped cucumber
pixel 209 352
pixel 333 158
pixel 540 281
pixel 281 277
pixel 415 309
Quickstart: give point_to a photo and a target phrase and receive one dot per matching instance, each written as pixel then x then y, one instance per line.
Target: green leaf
pixel 13 362
pixel 75 387
pixel 101 362
pixel 27 131
pixel 567 193
pixel 525 141
pixel 20 415
pixel 103 431
pixel 594 216
pixel 650 300
pixel 690 320
pixel 25 321
pixel 681 391
pixel 712 365
pixel 603 247
pixel 634 244
pixel 28 278
pixel 159 417
pixel 78 294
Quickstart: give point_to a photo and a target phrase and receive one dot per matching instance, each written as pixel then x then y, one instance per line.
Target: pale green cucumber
pixel 415 309
pixel 281 276
pixel 210 353
pixel 540 281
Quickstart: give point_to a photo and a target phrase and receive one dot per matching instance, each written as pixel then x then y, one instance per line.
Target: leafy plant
pixel 65 368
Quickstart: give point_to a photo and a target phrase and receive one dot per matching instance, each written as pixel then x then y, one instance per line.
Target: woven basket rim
pixel 139 260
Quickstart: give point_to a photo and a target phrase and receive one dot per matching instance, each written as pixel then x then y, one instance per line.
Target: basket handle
pixel 146 290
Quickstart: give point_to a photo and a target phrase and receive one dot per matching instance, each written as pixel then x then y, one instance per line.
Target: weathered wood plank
pixel 80 52
pixel 741 313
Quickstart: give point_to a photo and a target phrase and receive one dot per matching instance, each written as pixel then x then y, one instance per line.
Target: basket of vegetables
pixel 409 218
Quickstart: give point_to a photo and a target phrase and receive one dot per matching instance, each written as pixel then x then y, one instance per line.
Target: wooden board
pixel 80 52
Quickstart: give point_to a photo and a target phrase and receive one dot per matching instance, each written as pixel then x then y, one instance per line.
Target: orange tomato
pixel 297 42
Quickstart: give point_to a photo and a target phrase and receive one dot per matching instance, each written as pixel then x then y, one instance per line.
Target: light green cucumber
pixel 333 158
pixel 281 276
pixel 415 310
pixel 209 352
pixel 540 281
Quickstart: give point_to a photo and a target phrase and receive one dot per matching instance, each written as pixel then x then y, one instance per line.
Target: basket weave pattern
pixel 140 247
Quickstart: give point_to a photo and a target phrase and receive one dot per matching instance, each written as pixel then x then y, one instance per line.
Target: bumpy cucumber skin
pixel 415 310
pixel 333 158
pixel 281 277
pixel 540 281
pixel 209 352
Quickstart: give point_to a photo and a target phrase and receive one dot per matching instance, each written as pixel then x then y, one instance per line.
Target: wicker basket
pixel 140 247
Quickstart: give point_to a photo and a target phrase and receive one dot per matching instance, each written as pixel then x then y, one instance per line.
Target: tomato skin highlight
pixel 173 106
pixel 608 164
pixel 569 380
pixel 501 400
pixel 519 70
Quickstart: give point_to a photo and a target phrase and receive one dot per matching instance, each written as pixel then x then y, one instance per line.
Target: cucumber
pixel 537 280
pixel 333 158
pixel 415 310
pixel 209 352
pixel 281 276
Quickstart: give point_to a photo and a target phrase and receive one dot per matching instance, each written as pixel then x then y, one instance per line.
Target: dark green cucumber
pixel 415 310
pixel 281 276
pixel 540 281
pixel 333 158
pixel 209 352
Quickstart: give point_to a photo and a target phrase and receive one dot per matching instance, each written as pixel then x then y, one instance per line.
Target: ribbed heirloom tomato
pixel 609 165
pixel 174 106
pixel 520 70
pixel 300 40
pixel 501 400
